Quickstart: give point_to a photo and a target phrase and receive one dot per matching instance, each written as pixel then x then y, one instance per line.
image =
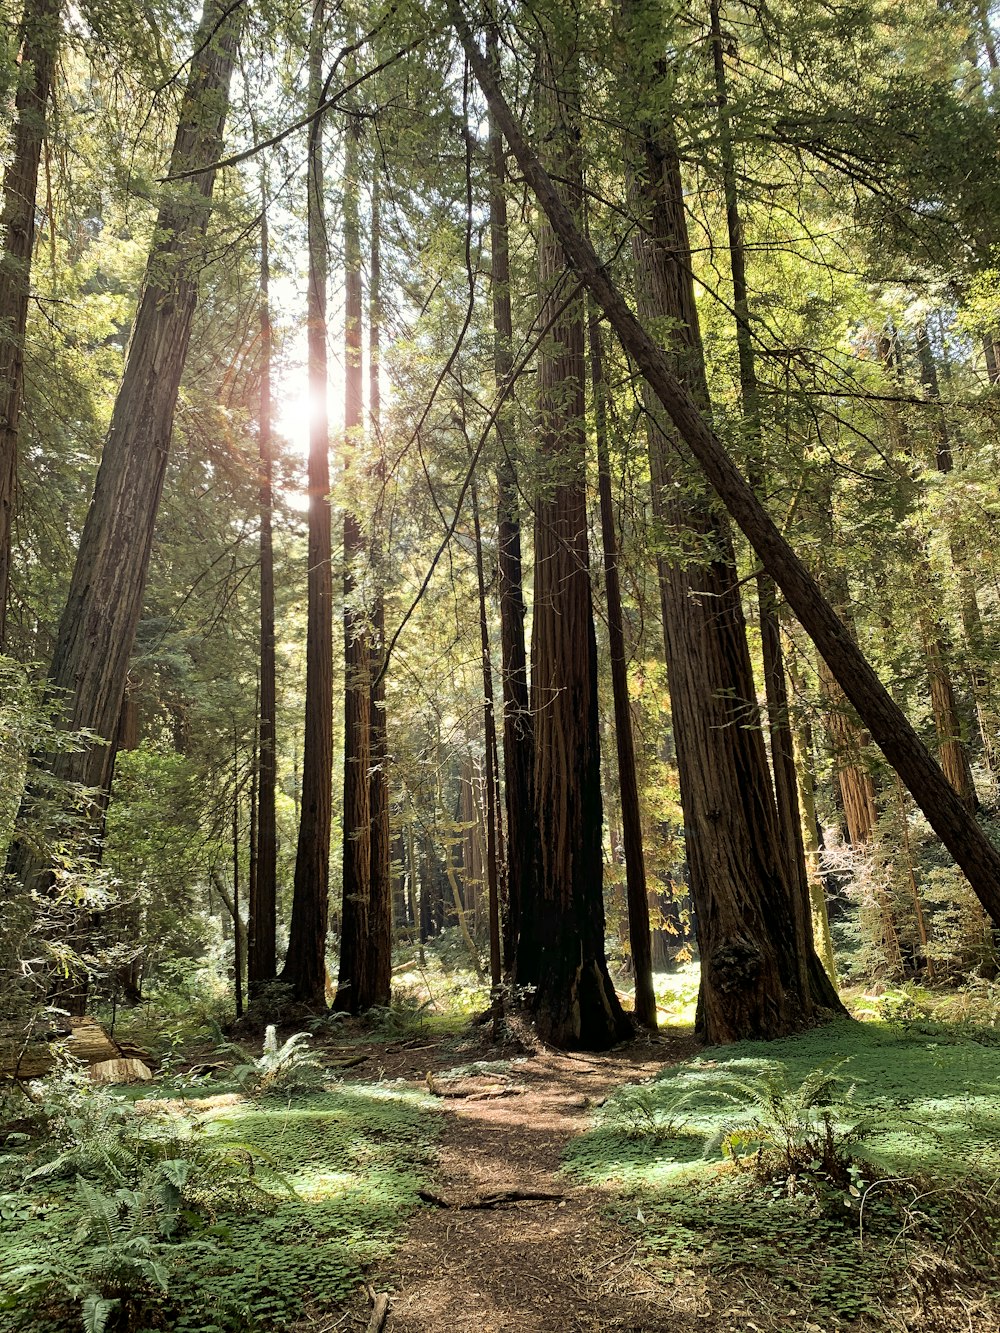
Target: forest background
pixel 800 201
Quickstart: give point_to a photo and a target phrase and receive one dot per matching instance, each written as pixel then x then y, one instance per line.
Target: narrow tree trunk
pixel 635 865
pixel 231 913
pixel 490 738
pixel 518 725
pixel 252 836
pixel 972 622
pixel 97 628
pixel 354 984
pixel 810 842
pixel 39 38
pixel 380 871
pixel 888 725
pixel 561 947
pixel 239 936
pixel 128 722
pixel 305 962
pixel 261 962
pixel 952 752
pixel 847 743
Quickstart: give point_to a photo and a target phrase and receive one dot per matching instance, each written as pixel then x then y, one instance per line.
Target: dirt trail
pixel 532 1266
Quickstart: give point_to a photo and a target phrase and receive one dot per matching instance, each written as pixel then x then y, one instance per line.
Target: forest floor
pixel 844 1180
pixel 482 1260
pixel 510 1240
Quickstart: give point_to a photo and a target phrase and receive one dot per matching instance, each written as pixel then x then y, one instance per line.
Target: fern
pixel 282 1069
pixel 813 1128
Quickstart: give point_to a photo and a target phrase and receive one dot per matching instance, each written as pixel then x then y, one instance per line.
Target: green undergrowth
pixel 315 1190
pixel 822 1165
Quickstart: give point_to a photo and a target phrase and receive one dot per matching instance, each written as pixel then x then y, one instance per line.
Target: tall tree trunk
pixel 810 842
pixel 305 962
pixel 952 752
pixel 775 685
pixel 490 745
pixel 972 621
pixel 97 628
pixel 261 961
pixel 889 727
pixel 848 740
pixel 760 974
pixel 354 984
pixel 518 725
pixel 380 910
pixel 239 936
pixel 635 865
pixel 561 947
pixel 39 37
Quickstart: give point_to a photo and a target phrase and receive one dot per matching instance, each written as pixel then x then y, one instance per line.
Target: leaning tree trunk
pixel 561 947
pixel 354 984
pixel 888 725
pixel 39 42
pixel 518 725
pixel 98 624
pixel 305 961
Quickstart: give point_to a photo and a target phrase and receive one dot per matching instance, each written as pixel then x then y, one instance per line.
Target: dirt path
pixel 531 1266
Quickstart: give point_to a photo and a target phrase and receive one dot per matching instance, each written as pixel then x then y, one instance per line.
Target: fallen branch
pixel 380 1313
pixel 348 1064
pixel 471 1094
pixel 495 1200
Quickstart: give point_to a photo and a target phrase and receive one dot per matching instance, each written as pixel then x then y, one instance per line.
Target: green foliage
pixel 214 1214
pixel 281 1070
pixel 842 1141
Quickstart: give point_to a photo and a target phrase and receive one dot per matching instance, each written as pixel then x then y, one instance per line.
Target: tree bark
pixel 261 958
pixel 305 962
pixel 39 38
pixel 380 910
pixel 97 628
pixel 775 684
pixel 759 973
pixel 490 746
pixel 635 866
pixel 960 832
pixel 354 983
pixel 561 947
pixel 518 724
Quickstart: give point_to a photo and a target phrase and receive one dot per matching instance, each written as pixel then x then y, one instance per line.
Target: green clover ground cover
pixel 338 1173
pixel 821 1163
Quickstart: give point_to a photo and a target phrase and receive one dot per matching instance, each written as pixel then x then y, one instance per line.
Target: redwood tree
pixel 39 43
pixel 561 947
pixel 354 990
pixel 518 725
pixel 888 725
pixel 263 891
pixel 98 624
pixel 305 962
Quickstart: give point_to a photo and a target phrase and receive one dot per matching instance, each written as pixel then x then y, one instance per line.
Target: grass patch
pixel 333 1176
pixel 836 1165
